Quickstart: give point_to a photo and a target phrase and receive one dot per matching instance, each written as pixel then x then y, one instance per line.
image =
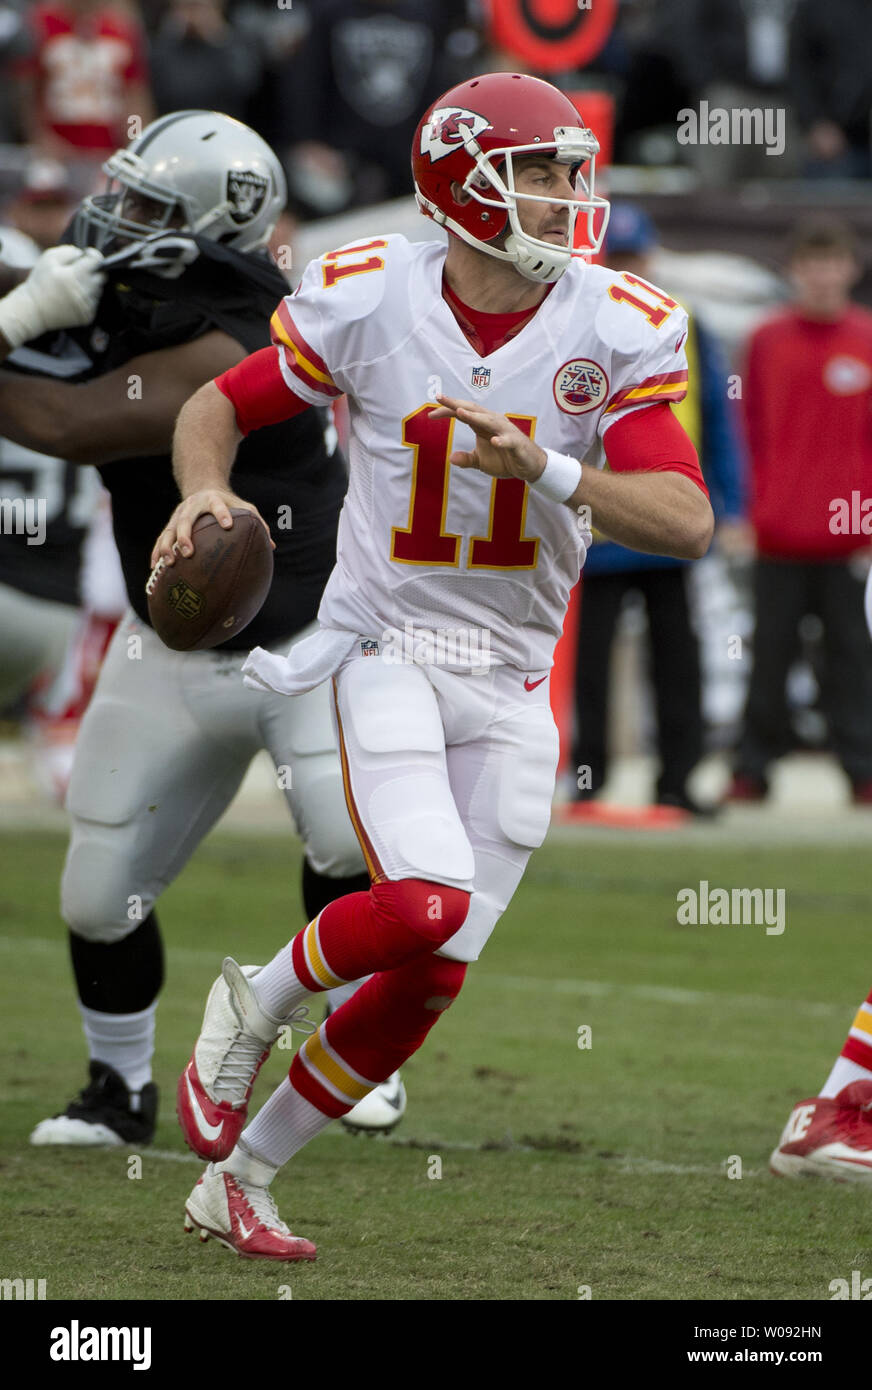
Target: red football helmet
pixel 472 135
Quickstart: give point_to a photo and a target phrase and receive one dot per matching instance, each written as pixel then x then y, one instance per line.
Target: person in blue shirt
pixel 612 571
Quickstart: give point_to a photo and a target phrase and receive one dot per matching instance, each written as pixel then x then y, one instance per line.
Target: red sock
pixel 364 932
pixel 374 1032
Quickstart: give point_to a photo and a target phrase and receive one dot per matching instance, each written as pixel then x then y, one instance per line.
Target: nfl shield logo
pixel 369 648
pixel 481 377
pixel 185 600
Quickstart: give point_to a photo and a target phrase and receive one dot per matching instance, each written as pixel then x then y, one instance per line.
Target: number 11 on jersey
pixel 425 541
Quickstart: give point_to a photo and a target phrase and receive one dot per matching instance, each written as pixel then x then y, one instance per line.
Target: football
pixel 205 598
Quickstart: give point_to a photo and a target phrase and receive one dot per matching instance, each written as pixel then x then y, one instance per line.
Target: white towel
pixel 306 665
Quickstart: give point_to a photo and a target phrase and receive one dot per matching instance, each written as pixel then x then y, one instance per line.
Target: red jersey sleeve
pixel 258 392
pixel 652 441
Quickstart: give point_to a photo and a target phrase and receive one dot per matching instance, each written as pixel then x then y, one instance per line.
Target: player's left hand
pixel 501 451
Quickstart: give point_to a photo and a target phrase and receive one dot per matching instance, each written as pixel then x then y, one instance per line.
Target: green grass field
pixel 561 1167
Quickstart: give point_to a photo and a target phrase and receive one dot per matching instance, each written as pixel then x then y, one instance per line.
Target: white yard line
pixel 659 994
pixel 625 1163
pixel 655 994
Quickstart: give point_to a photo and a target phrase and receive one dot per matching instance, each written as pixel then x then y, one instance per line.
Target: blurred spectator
pixel 356 91
pixel 84 76
pixel 277 32
pixel 652 51
pixel 42 206
pixel 201 61
pixel 808 408
pixel 611 571
pixel 831 81
pixel 738 56
pixel 13 46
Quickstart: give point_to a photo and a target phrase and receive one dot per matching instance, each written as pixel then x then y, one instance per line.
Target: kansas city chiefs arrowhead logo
pixel 447 129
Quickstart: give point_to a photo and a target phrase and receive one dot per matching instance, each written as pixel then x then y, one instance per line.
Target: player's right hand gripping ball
pixel 206 598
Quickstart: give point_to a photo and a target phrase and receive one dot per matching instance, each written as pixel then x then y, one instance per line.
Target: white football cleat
pixel 380 1111
pixel 234 1042
pixel 242 1216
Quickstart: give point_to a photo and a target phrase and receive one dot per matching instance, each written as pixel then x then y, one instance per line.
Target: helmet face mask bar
pixel 230 191
pixel 537 259
pixel 102 214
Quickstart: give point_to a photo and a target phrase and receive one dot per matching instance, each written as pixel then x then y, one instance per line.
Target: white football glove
pixel 62 291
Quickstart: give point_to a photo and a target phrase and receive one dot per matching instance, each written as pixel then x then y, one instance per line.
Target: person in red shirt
pixel 85 75
pixel 808 413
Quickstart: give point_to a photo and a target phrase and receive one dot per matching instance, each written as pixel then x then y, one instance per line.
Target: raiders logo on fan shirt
pixel 247 191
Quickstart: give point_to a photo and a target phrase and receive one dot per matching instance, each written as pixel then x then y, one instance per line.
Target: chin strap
pixel 534 263
pixel 164 253
pixel 531 261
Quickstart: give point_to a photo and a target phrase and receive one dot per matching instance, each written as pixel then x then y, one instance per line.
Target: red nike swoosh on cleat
pixel 531 685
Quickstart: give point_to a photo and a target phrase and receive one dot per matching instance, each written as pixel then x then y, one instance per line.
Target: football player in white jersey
pixel 461 536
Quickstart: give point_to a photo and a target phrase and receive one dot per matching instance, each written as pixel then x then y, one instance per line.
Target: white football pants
pixel 448 776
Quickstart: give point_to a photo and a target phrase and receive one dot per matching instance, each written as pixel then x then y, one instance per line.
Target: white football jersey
pixel 425 548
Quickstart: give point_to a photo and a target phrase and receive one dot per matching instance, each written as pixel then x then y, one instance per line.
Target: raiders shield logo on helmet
pixel 247 192
pixel 447 129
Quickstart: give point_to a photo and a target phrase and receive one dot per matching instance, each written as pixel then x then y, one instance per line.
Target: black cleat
pixel 101 1114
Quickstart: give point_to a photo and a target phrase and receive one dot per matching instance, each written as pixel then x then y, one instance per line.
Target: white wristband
pixel 559 478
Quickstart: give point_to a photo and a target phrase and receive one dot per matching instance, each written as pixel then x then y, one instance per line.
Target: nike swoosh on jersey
pixel 528 685
pixel 206 1130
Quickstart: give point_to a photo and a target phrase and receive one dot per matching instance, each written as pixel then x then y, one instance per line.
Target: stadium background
pixel 605 1165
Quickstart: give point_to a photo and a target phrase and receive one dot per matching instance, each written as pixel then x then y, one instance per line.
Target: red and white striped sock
pixel 362 1043
pixel 854 1063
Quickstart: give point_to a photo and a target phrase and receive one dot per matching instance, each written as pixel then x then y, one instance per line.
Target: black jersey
pixel 285 470
pixel 48 505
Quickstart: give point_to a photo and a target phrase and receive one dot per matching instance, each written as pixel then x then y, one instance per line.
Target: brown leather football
pixel 206 598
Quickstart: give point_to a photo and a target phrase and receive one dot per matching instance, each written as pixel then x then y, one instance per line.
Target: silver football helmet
pixel 190 173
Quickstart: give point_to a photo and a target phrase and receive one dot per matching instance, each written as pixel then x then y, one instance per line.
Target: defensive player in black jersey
pixel 168 736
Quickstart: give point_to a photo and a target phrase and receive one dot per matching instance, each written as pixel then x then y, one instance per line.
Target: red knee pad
pixel 379 930
pixel 431 910
pixel 375 1031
